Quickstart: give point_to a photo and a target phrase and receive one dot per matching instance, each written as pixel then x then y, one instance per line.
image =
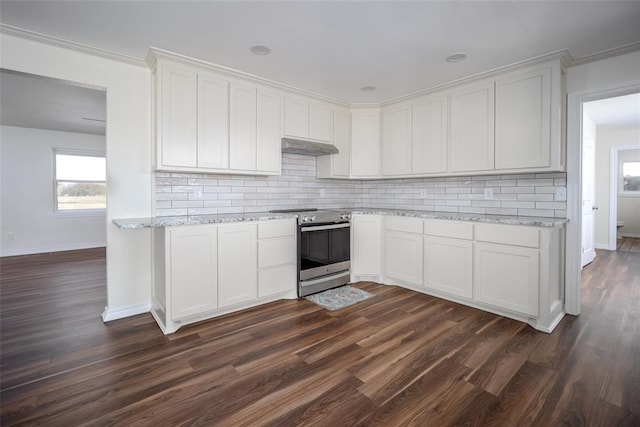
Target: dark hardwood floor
pixel 400 358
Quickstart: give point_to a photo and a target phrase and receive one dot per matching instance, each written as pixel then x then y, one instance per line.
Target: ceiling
pixel 621 111
pixel 335 48
pixel 45 103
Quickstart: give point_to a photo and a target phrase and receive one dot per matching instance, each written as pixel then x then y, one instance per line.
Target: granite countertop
pixel 169 221
pixel 532 221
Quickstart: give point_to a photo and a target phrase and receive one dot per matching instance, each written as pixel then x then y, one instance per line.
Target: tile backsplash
pixel 198 194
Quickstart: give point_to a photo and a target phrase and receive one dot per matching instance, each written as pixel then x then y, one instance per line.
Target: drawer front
pixel 407 225
pixel 274 280
pixel 508 235
pixel 276 228
pixel 278 251
pixel 452 229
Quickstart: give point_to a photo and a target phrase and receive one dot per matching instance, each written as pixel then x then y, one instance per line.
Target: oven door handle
pixel 325 227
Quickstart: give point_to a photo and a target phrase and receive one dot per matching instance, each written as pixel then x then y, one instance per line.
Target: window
pixel 630 181
pixel 80 181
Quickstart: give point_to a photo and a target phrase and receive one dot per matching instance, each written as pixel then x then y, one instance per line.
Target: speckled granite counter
pixel 170 221
pixel 493 219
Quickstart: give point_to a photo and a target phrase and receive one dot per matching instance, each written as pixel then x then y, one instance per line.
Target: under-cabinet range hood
pixel 307 148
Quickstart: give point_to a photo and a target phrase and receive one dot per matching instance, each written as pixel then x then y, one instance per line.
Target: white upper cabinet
pixel 213 125
pixel 471 142
pixel 523 119
pixel 337 165
pixel 243 123
pixel 365 143
pixel 307 119
pixel 177 133
pixel 268 148
pixel 210 123
pixel 396 140
pixel 430 134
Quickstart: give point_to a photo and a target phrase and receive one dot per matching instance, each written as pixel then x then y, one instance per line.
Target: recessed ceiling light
pixel 456 57
pixel 260 50
pixel 368 88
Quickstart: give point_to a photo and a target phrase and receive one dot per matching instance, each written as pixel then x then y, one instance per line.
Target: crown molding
pixel 563 55
pixel 67 44
pixel 157 53
pixel 607 53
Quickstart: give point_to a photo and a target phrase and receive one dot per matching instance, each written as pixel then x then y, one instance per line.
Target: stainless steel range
pixel 324 249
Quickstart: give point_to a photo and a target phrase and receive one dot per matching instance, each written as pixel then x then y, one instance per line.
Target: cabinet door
pixel 507 277
pixel 237 263
pixel 523 120
pixel 177 103
pixel 448 265
pixel 430 135
pixel 365 144
pixel 213 122
pixel 243 123
pixel 193 270
pixel 366 244
pixel 320 121
pixel 276 280
pixel 403 257
pixel 396 140
pixel 472 128
pixel 296 116
pixel 269 150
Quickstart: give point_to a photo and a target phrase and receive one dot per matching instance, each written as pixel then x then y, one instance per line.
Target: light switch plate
pixel 561 194
pixel 488 193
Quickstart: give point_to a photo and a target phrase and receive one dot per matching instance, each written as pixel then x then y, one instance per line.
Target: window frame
pixel 80 153
pixel 621 191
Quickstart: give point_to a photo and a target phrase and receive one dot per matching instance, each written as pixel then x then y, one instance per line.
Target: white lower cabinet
pixel 513 270
pixel 366 242
pixel 448 265
pixel 193 270
pixel 237 263
pixel 508 277
pixel 203 271
pixel 403 250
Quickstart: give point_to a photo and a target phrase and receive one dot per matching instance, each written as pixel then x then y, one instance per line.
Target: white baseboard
pixel 634 235
pixel 120 313
pixel 603 247
pixel 47 249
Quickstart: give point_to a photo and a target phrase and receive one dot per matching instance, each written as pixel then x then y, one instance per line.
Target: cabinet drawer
pixel 407 225
pixel 276 251
pixel 276 228
pixel 275 280
pixel 508 235
pixel 453 229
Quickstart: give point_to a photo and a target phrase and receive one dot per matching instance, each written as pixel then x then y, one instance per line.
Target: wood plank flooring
pixel 628 244
pixel 400 358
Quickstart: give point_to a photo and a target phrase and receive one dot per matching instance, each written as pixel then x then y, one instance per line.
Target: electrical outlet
pixel 423 193
pixel 488 193
pixel 9 235
pixel 197 193
pixel 561 194
pixel 322 192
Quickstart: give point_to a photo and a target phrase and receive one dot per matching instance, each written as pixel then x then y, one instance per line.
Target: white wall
pixel 629 206
pixel 128 152
pixel 26 194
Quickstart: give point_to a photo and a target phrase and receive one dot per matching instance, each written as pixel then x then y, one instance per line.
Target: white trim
pixel 71 45
pixel 574 186
pixel 121 313
pixel 601 246
pixel 634 235
pixel 607 53
pixel 47 249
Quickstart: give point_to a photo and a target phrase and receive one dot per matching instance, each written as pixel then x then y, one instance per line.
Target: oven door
pixel 325 249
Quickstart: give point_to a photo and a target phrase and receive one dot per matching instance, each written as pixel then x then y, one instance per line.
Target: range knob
pixel 308 218
pixel 345 216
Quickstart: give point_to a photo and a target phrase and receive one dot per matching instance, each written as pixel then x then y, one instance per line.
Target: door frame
pixel 573 242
